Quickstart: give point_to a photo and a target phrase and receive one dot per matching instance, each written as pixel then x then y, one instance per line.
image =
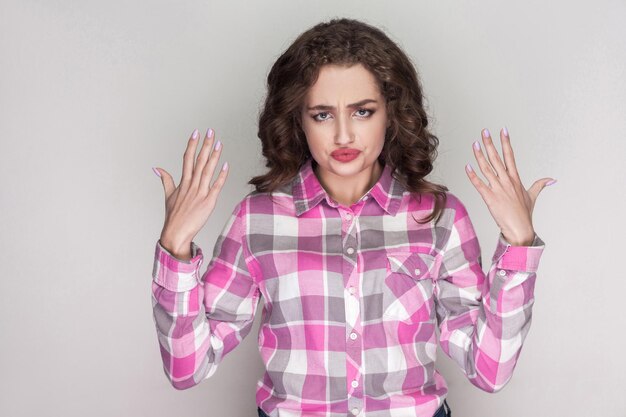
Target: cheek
pixel 376 138
pixel 316 136
pixel 313 140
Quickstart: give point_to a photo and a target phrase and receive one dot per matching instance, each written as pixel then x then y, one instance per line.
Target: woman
pixel 356 255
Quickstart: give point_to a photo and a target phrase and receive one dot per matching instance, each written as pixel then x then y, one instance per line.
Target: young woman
pixel 358 258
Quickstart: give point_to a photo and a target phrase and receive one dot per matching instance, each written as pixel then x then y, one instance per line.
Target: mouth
pixel 345 155
pixel 345 152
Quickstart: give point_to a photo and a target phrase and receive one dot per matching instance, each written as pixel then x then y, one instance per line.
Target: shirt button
pixel 348 216
pixel 355 411
pixel 352 290
pixel 355 383
pixel 352 335
pixel 502 272
pixel 417 271
pixel 350 251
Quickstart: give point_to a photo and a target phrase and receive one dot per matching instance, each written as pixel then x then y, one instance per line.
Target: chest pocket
pixel 408 287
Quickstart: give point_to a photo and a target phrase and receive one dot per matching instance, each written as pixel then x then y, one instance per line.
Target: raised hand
pixel 509 203
pixel 189 205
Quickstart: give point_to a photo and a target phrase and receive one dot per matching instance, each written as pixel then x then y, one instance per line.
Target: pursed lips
pixel 345 152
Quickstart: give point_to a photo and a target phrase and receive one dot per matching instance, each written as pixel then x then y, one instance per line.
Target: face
pixel 344 119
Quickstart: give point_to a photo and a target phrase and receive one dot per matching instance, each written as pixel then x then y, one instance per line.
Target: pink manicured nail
pixel 218 145
pixel 225 167
pixel 486 133
pixel 477 146
pixel 550 182
pixel 194 135
pixel 156 171
pixel 506 132
pixel 209 132
pixel 469 168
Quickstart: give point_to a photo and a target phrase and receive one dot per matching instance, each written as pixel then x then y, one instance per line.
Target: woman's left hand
pixel 509 203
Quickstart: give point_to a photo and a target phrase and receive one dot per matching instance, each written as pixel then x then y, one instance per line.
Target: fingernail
pixel 469 168
pixel 550 182
pixel 156 171
pixel 486 132
pixel 506 132
pixel 225 167
pixel 218 145
pixel 477 146
pixel 195 134
pixel 209 132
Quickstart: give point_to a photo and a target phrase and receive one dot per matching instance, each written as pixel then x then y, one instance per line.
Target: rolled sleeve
pixel 518 258
pixel 176 274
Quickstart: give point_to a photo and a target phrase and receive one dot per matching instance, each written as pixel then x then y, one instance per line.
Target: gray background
pixel 94 93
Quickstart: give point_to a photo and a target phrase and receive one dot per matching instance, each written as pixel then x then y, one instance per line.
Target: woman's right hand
pixel 188 206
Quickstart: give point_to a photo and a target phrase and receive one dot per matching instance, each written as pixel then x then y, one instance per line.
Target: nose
pixel 344 133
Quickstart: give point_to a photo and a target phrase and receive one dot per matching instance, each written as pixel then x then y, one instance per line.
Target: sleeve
pixel 199 321
pixel 484 319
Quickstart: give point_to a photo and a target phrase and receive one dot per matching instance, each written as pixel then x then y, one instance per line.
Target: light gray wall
pixel 93 94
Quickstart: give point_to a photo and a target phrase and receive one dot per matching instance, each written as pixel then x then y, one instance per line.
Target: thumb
pixel 539 185
pixel 166 180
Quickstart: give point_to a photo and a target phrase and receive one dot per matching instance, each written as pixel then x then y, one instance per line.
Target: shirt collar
pixel 308 192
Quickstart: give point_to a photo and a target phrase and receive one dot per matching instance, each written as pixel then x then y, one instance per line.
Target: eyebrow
pixel 353 105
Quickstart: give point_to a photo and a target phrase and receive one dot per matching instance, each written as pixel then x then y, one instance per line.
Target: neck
pixel 348 190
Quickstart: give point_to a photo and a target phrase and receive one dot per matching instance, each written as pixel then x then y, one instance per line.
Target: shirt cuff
pixel 176 274
pixel 518 258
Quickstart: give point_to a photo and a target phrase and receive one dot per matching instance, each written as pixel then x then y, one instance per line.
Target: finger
pixel 188 159
pixel 485 166
pixel 219 182
pixel 167 181
pixel 509 158
pixel 203 159
pixel 209 167
pixel 480 186
pixel 494 157
pixel 538 186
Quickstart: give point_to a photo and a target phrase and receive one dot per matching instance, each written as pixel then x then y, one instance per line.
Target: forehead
pixel 336 82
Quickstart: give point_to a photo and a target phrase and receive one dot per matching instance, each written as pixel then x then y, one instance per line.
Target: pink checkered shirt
pixel 352 299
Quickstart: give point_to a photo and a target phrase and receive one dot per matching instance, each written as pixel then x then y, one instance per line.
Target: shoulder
pixel 454 203
pixel 256 202
pixel 453 211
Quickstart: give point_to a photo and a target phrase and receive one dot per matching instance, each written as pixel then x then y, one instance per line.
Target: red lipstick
pixel 345 154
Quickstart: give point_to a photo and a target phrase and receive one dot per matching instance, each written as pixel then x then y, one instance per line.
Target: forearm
pixel 184 336
pixel 486 317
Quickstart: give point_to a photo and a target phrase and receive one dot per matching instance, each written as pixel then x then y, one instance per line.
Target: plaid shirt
pixel 352 299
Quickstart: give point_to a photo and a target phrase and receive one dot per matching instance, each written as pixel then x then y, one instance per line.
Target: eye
pixel 317 119
pixel 370 112
pixel 318 114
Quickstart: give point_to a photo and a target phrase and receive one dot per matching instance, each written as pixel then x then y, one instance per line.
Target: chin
pixel 349 168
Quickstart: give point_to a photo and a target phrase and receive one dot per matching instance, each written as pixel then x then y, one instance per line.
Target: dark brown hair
pixel 409 149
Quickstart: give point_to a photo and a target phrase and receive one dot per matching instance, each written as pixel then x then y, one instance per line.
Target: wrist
pixel 180 250
pixel 526 239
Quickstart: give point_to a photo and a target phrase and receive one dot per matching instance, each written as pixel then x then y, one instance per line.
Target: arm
pixel 484 319
pixel 198 322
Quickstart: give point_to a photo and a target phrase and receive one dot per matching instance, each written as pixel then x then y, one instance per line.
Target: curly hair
pixel 409 148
